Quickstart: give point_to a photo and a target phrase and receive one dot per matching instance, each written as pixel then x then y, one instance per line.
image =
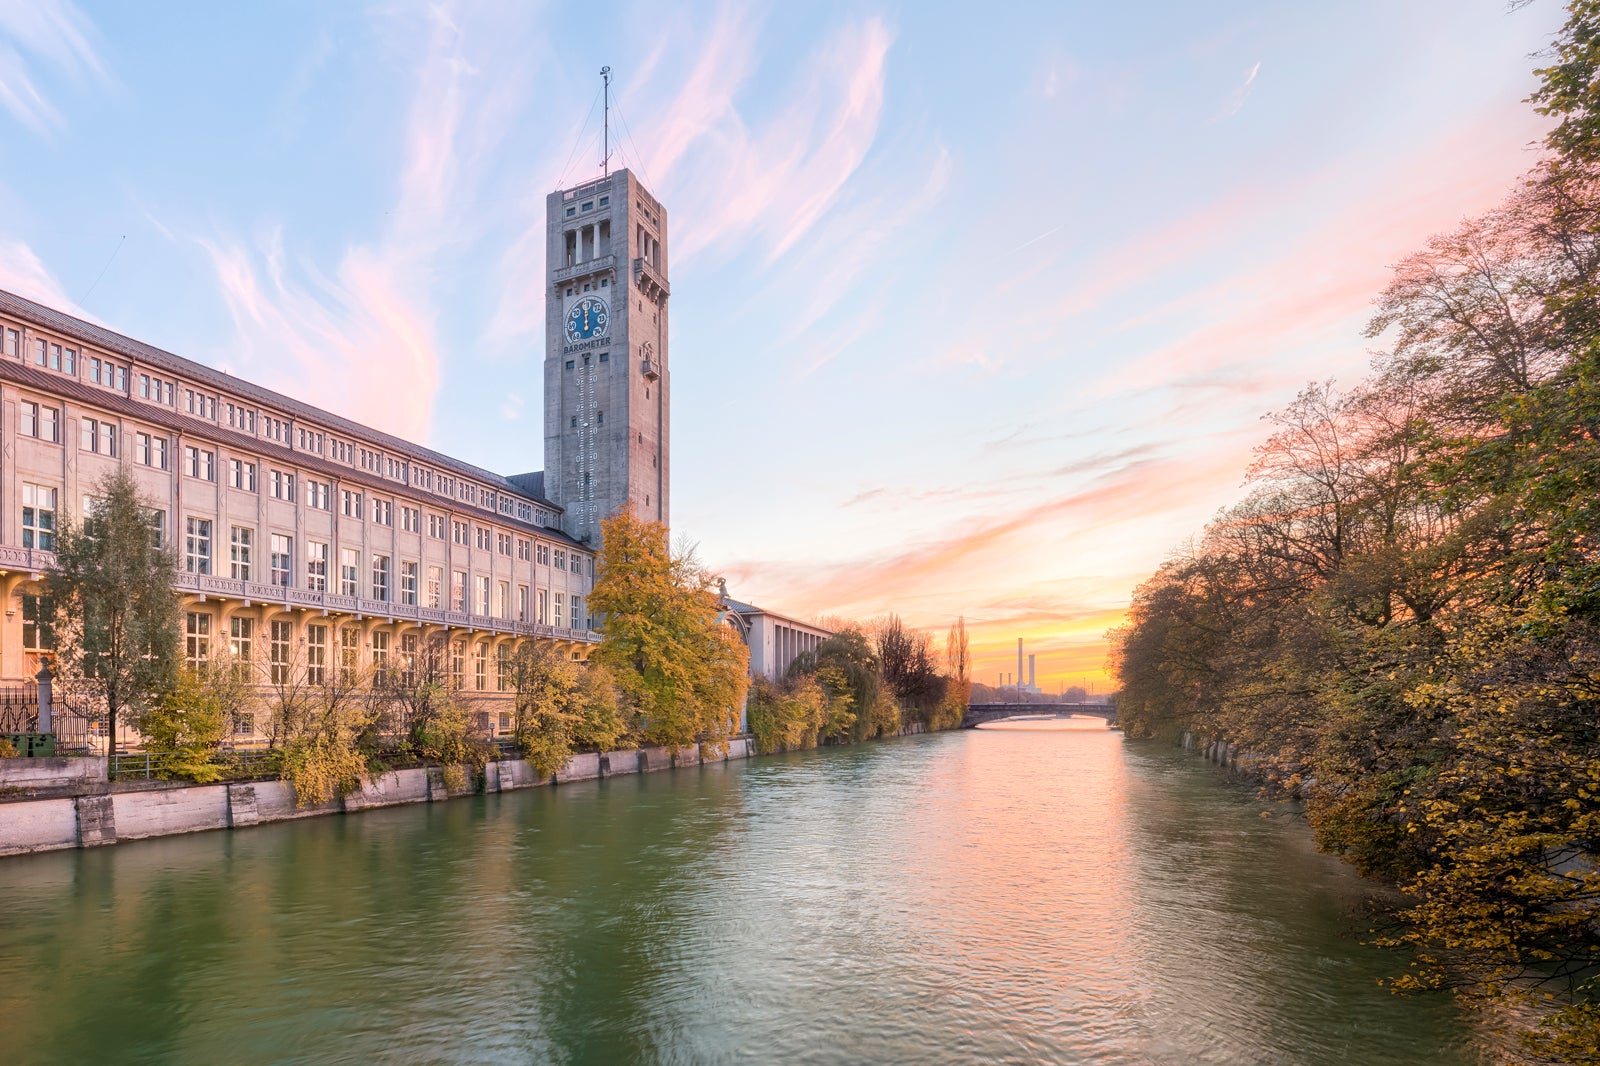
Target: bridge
pixel 979 713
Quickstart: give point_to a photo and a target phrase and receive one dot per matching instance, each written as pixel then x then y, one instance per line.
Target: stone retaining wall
pixel 102 814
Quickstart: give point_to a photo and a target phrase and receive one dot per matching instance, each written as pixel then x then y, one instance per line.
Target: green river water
pixel 975 897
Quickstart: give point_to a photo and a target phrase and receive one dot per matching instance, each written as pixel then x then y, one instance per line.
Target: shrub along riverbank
pixel 1401 619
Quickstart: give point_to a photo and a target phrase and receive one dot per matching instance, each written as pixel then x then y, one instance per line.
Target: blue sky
pixel 975 308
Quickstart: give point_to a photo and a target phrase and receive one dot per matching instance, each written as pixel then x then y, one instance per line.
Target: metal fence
pixel 19 707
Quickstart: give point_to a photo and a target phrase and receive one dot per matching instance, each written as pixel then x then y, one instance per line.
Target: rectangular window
pixel 436 526
pixel 13 343
pixel 522 603
pixel 239 552
pixel 282 560
pixel 39 420
pixel 483 594
pixel 197 640
pixel 410 519
pixel 241 475
pixel 483 539
pixel 435 587
pixel 544 607
pixel 317 654
pixel 458 591
pixel 408 655
pixel 282 485
pixel 37 634
pixel 408 584
pixel 524 550
pixel 199 463
pixel 502 603
pixel 503 668
pixel 317 494
pixel 577 612
pixel 241 645
pixel 459 529
pixel 458 661
pixel 350 503
pixel 278 649
pixel 383 512
pixel 158 527
pixel 380 650
pixel 349 653
pixel 38 517
pixel 349 572
pixel 560 604
pixel 317 567
pixel 544 555
pixel 150 450
pixel 480 666
pixel 197 545
pixel 98 437
pixel 380 578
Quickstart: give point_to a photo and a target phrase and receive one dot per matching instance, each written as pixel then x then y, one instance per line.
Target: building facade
pixel 306 541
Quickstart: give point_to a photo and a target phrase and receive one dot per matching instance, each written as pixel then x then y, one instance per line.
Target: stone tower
pixel 606 414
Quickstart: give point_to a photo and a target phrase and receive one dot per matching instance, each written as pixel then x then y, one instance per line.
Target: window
pixel 39 420
pixel 383 512
pixel 13 343
pixel 458 661
pixel 459 532
pixel 408 584
pixel 38 517
pixel 150 451
pixel 199 463
pixel 349 570
pixel 483 539
pixel 544 608
pixel 37 634
pixel 241 640
pixel 560 603
pixel 317 654
pixel 436 526
pixel 561 559
pixel 239 546
pixel 197 639
pixel 350 503
pixel 577 612
pixel 197 546
pixel 522 603
pixel 483 594
pixel 282 486
pixel 544 555
pixel 480 666
pixel 349 653
pixel 502 603
pixel 435 587
pixel 380 650
pixel 158 527
pixel 502 543
pixel 317 494
pixel 98 437
pixel 380 578
pixel 458 591
pixel 524 550
pixel 503 668
pixel 410 519
pixel 317 567
pixel 241 475
pixel 278 648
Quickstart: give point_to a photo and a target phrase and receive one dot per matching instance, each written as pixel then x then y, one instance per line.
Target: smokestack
pixel 1019 666
pixel 1030 671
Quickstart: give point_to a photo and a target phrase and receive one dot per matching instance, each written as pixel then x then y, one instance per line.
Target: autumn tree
pixel 115 610
pixel 682 671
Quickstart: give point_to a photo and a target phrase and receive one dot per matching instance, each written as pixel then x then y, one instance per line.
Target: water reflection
pixel 1004 895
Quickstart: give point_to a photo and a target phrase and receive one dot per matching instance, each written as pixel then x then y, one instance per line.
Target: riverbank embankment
pixel 54 804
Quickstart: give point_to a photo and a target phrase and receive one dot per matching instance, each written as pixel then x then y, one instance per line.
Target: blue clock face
pixel 588 319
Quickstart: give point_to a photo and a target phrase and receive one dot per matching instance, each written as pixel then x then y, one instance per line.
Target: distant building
pixel 774 640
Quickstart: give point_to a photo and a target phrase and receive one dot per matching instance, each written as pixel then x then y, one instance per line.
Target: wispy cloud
pixel 1237 98
pixel 39 37
pixel 24 273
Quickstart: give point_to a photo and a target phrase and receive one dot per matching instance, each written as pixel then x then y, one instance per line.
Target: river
pixel 986 896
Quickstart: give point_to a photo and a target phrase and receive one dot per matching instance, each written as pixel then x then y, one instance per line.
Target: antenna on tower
pixel 605 160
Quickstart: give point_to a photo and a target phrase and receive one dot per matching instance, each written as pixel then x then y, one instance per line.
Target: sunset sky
pixel 976 308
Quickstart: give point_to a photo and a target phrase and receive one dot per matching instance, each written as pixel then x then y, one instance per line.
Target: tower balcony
pixel 600 264
pixel 650 366
pixel 650 281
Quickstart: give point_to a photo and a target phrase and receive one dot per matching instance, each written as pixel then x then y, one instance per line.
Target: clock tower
pixel 606 414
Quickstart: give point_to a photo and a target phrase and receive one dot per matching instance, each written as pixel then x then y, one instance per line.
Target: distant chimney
pixel 1019 664
pixel 1030 671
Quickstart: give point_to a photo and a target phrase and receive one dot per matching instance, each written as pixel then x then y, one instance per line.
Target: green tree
pixel 115 609
pixel 678 667
pixel 188 723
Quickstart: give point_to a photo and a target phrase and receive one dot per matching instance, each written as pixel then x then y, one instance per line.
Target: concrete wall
pixel 104 815
pixel 38 774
